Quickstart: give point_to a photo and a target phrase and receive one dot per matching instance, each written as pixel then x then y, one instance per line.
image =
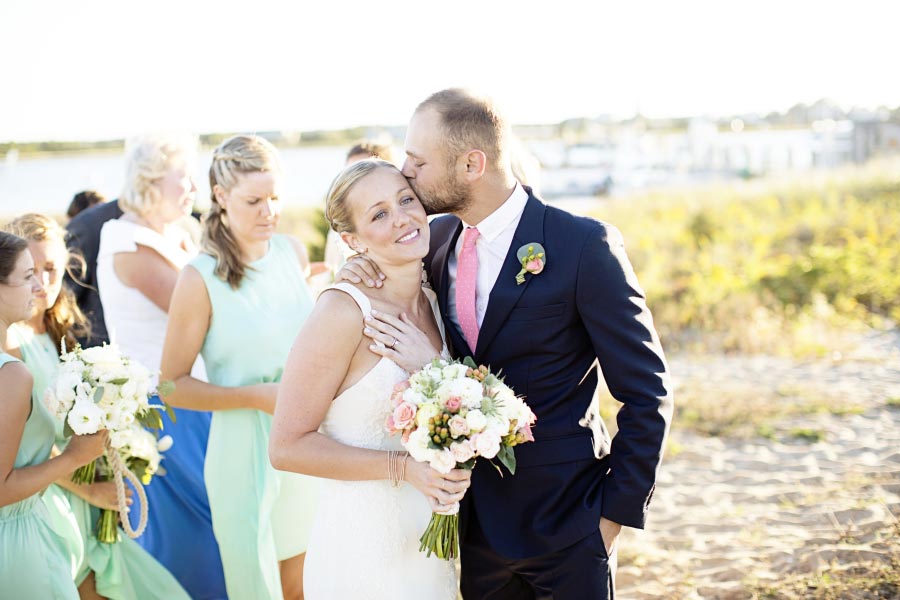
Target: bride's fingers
pixel 382 327
pixel 387 339
pixel 391 321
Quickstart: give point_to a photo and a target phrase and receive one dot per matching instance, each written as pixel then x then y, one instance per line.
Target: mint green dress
pixel 260 516
pixel 33 556
pixel 122 571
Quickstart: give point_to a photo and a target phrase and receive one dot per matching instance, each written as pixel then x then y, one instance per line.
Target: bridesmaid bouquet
pixel 99 388
pixel 449 414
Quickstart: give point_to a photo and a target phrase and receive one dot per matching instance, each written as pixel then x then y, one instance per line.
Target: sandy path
pixel 729 513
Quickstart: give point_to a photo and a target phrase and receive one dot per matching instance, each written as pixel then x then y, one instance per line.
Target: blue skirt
pixel 179 531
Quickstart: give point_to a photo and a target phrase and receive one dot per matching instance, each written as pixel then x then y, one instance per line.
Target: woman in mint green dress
pixel 34 560
pixel 240 305
pixel 120 571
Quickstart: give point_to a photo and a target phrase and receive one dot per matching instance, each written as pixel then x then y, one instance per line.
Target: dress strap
pixel 361 299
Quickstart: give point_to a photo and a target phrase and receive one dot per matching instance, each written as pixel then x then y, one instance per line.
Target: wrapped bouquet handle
pixel 120 471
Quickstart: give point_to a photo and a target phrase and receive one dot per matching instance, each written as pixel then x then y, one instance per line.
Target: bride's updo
pixel 336 210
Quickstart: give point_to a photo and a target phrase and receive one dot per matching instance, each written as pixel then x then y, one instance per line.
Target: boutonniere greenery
pixel 533 258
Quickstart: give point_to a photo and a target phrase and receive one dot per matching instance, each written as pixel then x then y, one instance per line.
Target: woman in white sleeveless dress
pixel 139 259
pixel 335 398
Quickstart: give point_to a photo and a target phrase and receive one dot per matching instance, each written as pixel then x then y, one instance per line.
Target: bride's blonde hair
pixel 336 210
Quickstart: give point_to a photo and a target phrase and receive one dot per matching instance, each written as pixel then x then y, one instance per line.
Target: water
pixel 47 184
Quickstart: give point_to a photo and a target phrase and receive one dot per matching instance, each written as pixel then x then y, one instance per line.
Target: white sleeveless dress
pixel 365 539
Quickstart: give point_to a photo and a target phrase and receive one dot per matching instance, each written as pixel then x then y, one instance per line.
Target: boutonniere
pixel 532 258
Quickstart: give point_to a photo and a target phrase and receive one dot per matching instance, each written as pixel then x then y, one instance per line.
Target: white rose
pixel 443 461
pixel 487 444
pixel 462 451
pixel 476 420
pixel 84 418
pixel 498 424
pixel 417 445
pixel 467 390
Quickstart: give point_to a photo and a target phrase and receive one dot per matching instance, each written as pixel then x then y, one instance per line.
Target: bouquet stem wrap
pixel 107 526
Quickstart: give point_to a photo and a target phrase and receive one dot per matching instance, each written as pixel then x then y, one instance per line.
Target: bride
pixel 335 398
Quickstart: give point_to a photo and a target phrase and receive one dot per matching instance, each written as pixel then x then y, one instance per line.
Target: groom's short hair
pixel 470 122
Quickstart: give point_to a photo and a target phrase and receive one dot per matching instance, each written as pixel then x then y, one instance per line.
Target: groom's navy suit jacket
pixel 546 336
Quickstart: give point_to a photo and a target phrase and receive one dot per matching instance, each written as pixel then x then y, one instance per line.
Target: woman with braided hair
pixel 120 571
pixel 240 304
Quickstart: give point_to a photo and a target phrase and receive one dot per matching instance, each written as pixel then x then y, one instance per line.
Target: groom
pixel 549 531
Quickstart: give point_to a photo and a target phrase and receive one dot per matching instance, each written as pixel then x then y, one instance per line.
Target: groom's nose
pixel 407 169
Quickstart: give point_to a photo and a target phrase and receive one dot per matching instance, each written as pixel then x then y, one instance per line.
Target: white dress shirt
pixel 496 234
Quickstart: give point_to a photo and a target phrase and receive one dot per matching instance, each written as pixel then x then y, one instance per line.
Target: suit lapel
pixel 440 267
pixel 441 281
pixel 506 293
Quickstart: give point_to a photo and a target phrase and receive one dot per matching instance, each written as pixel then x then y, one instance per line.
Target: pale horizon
pixel 106 70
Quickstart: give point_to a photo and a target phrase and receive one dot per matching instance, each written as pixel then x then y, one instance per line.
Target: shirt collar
pixel 506 214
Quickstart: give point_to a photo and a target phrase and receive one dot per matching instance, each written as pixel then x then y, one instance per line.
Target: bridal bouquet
pixel 449 414
pixel 99 388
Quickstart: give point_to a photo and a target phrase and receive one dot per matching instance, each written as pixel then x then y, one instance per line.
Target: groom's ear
pixel 475 164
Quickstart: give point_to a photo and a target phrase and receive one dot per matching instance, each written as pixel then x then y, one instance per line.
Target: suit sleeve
pixel 613 309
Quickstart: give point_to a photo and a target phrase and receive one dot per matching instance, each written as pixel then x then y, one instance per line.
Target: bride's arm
pixel 189 317
pixel 315 371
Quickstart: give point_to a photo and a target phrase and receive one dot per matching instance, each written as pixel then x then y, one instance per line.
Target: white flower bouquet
pixel 99 388
pixel 449 414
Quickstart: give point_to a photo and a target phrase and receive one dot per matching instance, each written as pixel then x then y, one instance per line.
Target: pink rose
pixel 389 424
pixel 458 426
pixel 534 266
pixel 453 403
pixel 404 415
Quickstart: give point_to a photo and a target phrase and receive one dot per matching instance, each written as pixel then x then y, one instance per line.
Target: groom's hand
pixel 360 268
pixel 609 531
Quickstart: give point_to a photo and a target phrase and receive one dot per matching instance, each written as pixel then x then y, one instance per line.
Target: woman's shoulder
pixel 117 235
pixel 345 295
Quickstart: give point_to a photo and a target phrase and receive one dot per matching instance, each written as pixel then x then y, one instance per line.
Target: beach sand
pixel 808 508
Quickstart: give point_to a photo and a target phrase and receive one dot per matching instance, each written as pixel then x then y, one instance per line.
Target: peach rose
pixel 458 426
pixel 404 415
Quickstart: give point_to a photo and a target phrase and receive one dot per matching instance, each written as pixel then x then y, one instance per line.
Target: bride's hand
pixel 403 342
pixel 360 268
pixel 442 491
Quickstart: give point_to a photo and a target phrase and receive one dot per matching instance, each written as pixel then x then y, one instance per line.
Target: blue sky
pixel 99 69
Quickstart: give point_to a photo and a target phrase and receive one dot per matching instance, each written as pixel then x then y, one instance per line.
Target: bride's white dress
pixel 365 539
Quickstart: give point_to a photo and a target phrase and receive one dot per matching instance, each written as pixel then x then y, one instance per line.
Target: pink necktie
pixel 466 277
